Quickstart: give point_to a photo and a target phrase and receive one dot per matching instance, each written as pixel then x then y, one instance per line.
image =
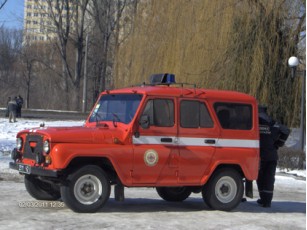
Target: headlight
pixel 18 143
pixel 46 146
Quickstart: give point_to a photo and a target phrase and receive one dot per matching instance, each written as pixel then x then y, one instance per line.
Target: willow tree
pixel 264 35
pixel 239 45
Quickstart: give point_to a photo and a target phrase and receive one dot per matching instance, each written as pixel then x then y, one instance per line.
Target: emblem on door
pixel 151 157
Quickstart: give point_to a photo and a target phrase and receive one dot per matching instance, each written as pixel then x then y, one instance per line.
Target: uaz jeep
pixel 177 139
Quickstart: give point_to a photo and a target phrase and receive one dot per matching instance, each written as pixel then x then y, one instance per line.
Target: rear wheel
pixel 41 190
pixel 224 191
pixel 86 190
pixel 174 194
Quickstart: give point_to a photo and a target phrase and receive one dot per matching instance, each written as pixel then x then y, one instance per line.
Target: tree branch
pixel 2 4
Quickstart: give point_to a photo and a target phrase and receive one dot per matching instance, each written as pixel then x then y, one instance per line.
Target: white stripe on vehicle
pixel 189 141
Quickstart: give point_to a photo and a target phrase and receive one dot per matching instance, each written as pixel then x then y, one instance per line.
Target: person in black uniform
pixel 270 139
pixel 19 101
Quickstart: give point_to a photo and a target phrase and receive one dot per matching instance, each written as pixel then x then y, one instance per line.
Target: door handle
pixel 166 139
pixel 210 141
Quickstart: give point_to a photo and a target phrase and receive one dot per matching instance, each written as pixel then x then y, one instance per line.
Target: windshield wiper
pixel 115 119
pixel 98 119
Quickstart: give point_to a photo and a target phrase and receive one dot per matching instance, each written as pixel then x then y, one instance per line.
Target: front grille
pixel 33 147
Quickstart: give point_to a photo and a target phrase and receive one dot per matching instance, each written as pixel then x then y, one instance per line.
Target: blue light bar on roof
pixel 162 78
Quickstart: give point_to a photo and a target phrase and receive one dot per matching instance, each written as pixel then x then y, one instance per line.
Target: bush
pixel 290 159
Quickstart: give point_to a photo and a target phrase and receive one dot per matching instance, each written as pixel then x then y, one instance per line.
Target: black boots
pixel 262 204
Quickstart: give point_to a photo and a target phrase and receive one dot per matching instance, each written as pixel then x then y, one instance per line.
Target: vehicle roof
pixel 163 90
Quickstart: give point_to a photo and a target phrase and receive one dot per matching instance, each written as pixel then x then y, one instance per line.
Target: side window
pixel 234 116
pixel 160 112
pixel 194 114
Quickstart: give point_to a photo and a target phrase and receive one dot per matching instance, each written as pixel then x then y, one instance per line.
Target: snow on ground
pixel 8 133
pixel 8 130
pixel 142 209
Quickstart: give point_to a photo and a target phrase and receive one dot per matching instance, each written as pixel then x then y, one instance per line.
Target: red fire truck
pixel 175 137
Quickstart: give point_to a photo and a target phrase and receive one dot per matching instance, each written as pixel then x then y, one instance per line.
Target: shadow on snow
pixel 196 204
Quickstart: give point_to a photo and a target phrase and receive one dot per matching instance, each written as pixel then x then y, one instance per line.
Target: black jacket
pixel 268 136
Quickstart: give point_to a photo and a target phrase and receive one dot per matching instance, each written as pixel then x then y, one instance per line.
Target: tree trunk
pixel 75 98
pixel 65 87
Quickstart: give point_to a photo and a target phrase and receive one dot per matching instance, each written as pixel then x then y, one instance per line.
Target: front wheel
pixel 224 191
pixel 174 194
pixel 86 190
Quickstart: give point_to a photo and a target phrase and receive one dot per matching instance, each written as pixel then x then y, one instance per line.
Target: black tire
pixel 41 190
pixel 174 194
pixel 224 190
pixel 86 190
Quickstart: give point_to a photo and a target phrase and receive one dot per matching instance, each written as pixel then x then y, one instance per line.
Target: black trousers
pixel 266 180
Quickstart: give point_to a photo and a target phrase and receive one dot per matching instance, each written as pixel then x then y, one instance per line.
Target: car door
pixel 155 148
pixel 197 139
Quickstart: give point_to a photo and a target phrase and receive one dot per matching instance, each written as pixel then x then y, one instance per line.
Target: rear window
pixel 234 116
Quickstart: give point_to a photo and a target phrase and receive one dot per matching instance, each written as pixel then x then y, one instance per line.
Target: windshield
pixel 116 107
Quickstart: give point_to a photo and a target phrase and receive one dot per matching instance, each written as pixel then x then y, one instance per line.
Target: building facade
pixel 41 16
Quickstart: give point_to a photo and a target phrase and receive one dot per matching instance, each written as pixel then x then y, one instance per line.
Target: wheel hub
pixel 225 189
pixel 88 189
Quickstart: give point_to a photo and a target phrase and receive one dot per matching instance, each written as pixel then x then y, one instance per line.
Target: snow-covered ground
pixel 8 133
pixel 142 209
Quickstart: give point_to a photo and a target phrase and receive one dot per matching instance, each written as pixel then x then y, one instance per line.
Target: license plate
pixel 24 168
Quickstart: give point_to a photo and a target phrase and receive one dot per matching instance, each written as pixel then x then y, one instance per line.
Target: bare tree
pixel 69 21
pixel 111 30
pixel 29 57
pixel 10 46
pixel 104 15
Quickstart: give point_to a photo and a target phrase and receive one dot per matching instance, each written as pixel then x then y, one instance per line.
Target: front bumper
pixel 27 169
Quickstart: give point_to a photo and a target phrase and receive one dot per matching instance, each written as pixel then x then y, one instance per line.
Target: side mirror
pixel 144 121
